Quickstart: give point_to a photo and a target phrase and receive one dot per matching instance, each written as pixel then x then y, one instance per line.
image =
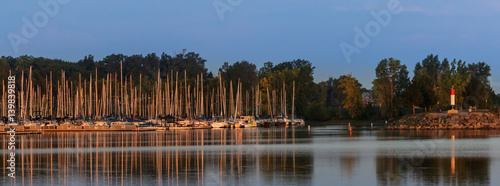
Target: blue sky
pixel 259 31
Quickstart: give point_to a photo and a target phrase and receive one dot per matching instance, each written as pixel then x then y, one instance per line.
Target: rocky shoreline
pixel 439 121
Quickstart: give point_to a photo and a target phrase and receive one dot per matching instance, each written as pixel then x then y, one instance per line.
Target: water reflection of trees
pixel 284 166
pixel 198 157
pixel 349 161
pixel 429 170
pixel 468 171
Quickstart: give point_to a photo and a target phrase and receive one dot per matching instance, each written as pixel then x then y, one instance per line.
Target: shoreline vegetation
pixel 180 85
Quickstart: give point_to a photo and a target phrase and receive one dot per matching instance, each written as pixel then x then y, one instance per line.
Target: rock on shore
pixel 438 121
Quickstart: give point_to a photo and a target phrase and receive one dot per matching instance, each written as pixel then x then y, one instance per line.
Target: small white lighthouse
pixel 452 111
pixel 453 97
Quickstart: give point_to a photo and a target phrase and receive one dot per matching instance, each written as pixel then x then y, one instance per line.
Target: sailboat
pixel 248 121
pixel 295 122
pixel 219 123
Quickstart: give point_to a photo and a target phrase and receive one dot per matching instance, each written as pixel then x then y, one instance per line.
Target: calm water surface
pixel 327 155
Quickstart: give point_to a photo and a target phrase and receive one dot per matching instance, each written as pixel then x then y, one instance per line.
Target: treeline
pixel 393 94
pixel 274 80
pixel 430 88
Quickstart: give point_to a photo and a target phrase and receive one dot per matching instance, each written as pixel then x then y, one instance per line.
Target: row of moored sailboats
pixel 114 103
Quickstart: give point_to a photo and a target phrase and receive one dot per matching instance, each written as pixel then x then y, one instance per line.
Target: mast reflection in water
pixel 260 156
pixel 200 157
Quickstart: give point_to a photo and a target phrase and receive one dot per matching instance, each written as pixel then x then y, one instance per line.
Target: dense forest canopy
pixel 393 94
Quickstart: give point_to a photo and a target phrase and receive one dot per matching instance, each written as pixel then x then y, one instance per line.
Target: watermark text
pixel 222 7
pixel 40 19
pixel 11 162
pixel 363 37
pixel 11 97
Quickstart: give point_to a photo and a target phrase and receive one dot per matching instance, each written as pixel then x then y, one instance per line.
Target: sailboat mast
pixel 293 101
pixel 201 102
pixel 185 91
pixel 121 88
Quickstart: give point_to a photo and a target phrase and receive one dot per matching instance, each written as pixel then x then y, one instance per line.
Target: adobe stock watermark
pixel 363 38
pixel 40 19
pixel 11 98
pixel 222 7
pixel 11 161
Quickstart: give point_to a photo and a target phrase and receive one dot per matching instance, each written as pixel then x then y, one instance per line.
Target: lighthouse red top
pixel 452 91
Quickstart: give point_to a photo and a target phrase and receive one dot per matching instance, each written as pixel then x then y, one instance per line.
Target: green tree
pixel 413 95
pixel 460 79
pixel 427 89
pixel 300 71
pixel 353 100
pixel 387 73
pixel 433 66
pixel 478 90
pixel 334 95
pixel 4 68
pixel 316 109
pixel 403 82
pixel 266 69
pixel 446 84
pixel 244 71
